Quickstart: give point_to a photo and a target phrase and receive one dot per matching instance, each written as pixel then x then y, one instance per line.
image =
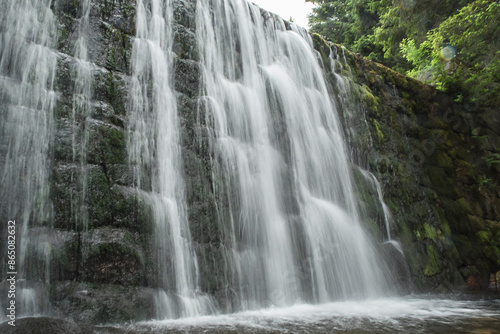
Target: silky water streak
pixel 287 202
pixel 27 99
pixel 155 154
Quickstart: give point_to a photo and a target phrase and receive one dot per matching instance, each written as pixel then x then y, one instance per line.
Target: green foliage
pixel 348 22
pixel 433 262
pixel 418 57
pixel 493 160
pixel 375 28
pixel 475 68
pixel 452 44
pixel 485 181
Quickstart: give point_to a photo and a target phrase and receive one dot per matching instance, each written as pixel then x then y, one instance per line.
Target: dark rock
pixel 44 326
pixel 187 77
pixel 436 160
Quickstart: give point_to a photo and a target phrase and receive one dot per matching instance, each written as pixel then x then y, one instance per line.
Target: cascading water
pixel 369 184
pixel 343 86
pixel 285 227
pixel 277 144
pixel 27 72
pixel 387 213
pixel 155 153
pixel 292 230
pixel 80 116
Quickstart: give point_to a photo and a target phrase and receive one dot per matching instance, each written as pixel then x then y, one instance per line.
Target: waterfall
pixel 27 98
pixel 385 210
pixel 277 144
pixel 81 109
pixel 291 227
pixel 343 85
pixel 155 153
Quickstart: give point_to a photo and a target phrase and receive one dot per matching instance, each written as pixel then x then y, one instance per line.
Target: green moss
pixel 108 249
pixel 484 237
pixel 99 199
pixel 106 315
pixel 370 101
pixel 477 223
pixel 111 59
pixel 124 211
pixel 433 262
pixel 436 122
pixel 443 160
pixel 456 216
pixel 464 204
pixel 442 184
pixel 398 80
pixel 107 9
pixel 113 148
pixel 446 229
pixel 322 47
pixel 112 91
pixel 372 226
pixel 392 206
pixel 430 232
pixel 406 95
pixel 127 8
pixel 378 133
pixel 107 146
pixel 496 255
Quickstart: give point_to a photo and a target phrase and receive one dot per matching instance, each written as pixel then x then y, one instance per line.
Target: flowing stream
pixel 414 314
pixel 297 256
pixel 81 110
pixel 155 154
pixel 276 140
pixel 27 99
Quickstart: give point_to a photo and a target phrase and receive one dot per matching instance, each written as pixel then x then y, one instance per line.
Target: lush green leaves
pixel 462 54
pixel 453 44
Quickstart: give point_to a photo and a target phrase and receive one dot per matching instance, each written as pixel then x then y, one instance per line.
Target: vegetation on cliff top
pixel 454 45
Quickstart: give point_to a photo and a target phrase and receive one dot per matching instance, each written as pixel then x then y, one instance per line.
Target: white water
pixel 81 111
pixel 155 153
pixel 387 213
pixel 27 72
pixel 276 142
pixel 343 84
pixel 418 314
pixel 294 228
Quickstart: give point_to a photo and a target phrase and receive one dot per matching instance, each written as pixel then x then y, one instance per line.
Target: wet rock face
pixel 90 176
pixel 101 235
pixel 437 161
pixel 42 326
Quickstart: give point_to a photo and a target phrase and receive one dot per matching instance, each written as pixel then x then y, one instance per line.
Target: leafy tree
pixel 375 28
pixel 348 22
pixel 453 44
pixel 462 54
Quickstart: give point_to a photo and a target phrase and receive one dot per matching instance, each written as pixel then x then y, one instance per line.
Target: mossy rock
pixel 66 261
pixel 113 263
pixel 434 265
pixel 39 325
pixel 107 145
pixel 442 184
pixel 441 159
pixel 100 198
pixel 322 47
pixel 377 131
pixel 185 44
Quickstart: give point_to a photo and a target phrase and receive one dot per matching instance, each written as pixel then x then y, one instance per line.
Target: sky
pixel 297 9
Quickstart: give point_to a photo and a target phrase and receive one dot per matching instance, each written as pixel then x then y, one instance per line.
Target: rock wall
pixel 437 161
pixel 104 272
